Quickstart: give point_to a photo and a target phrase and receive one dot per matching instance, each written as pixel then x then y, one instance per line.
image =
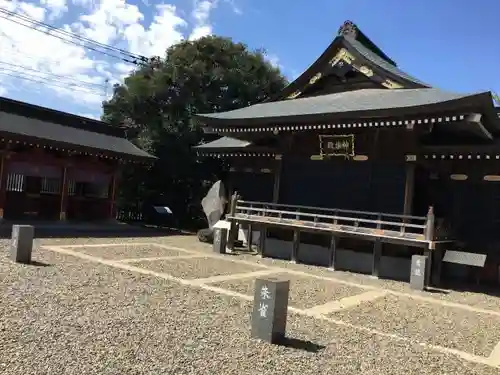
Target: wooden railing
pixel 421 228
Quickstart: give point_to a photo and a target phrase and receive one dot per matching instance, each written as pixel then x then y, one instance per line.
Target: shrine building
pixel 359 165
pixel 59 166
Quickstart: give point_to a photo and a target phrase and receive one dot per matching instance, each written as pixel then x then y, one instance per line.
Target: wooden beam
pixel 112 196
pixel 64 194
pixel 409 189
pixel 3 183
pixel 333 253
pixel 377 257
pixel 295 245
pixel 277 180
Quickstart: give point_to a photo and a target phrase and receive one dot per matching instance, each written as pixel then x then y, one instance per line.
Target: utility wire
pixel 72 84
pixel 47 82
pixel 69 41
pixel 83 41
pixel 22 69
pixel 68 33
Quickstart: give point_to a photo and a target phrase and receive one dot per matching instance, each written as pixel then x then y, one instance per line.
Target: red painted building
pixel 58 166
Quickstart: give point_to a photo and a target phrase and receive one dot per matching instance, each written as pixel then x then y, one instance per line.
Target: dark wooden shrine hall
pixel 355 132
pixel 59 166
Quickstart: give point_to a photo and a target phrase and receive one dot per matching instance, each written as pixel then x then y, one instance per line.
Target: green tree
pixel 159 99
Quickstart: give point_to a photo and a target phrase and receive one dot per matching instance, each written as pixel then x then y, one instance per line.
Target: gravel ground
pixel 77 317
pixel 305 292
pixel 480 300
pixel 128 251
pixel 196 268
pixel 449 327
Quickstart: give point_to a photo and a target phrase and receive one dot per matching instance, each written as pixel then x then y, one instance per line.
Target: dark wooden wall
pixel 252 177
pixel 390 144
pixel 471 206
pixel 344 184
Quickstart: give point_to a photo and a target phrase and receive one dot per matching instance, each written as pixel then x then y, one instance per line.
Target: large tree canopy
pixel 208 75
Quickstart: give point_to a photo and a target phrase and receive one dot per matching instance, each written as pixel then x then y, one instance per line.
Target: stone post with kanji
pixel 270 309
pixel 419 270
pixel 22 243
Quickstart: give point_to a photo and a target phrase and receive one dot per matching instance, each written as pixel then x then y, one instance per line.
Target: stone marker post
pixel 220 240
pixel 22 243
pixel 270 309
pixel 419 270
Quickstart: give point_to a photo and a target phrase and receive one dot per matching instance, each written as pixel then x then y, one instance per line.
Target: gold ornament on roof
pixel 314 79
pixel 343 55
pixel 366 71
pixel 391 84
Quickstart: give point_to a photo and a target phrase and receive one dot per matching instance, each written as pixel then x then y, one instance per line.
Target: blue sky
pixel 451 44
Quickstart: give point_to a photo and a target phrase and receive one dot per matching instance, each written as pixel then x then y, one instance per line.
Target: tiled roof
pixel 344 102
pixel 378 61
pixel 34 128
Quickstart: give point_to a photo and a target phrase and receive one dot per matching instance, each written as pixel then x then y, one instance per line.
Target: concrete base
pixel 22 243
pixel 347 260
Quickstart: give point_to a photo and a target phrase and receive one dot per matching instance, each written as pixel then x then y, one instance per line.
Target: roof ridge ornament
pixel 349 28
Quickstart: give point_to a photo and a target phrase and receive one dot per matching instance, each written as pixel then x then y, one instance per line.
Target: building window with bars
pixel 50 185
pixel 16 182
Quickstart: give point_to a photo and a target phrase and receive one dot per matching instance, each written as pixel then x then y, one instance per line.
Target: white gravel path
pixel 439 325
pixel 129 251
pixel 304 292
pixel 479 300
pixel 80 317
pixel 197 268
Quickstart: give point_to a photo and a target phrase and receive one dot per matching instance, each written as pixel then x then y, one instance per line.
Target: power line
pixel 71 84
pixel 67 33
pixel 53 31
pixel 20 68
pixel 47 82
pixel 68 41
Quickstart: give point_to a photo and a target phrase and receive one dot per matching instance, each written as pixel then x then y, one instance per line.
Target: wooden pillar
pixel 409 189
pixel 377 257
pixel 233 229
pixel 262 241
pixel 333 253
pixel 295 245
pixel 112 197
pixel 63 204
pixel 3 184
pixel 249 237
pixel 277 178
pixel 377 251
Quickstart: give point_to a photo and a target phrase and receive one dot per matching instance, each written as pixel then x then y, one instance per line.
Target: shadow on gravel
pixel 471 287
pixel 85 230
pixel 304 345
pixel 436 291
pixel 39 264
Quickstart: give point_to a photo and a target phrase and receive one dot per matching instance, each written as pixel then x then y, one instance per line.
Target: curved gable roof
pixel 368 54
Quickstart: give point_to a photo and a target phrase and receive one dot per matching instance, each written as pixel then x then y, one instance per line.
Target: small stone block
pixel 270 309
pixel 22 243
pixel 220 240
pixel 419 272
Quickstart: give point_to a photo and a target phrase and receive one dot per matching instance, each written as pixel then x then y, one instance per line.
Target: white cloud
pixel 165 30
pixel 79 76
pixel 56 8
pixel 201 16
pixel 274 60
pixel 32 11
pixel 235 8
